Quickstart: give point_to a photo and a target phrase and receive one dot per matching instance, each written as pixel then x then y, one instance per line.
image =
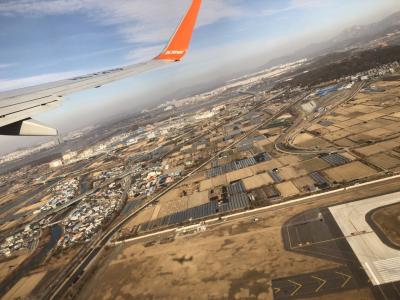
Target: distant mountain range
pixel 359 34
pixel 385 32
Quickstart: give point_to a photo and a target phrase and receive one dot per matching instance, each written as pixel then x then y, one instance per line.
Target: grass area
pixel 388 220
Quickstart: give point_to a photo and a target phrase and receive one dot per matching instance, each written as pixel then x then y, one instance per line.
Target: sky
pixel 48 40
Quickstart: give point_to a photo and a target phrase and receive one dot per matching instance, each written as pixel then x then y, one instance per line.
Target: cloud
pixel 138 21
pixel 6 66
pixel 10 84
pixel 296 4
pixel 143 53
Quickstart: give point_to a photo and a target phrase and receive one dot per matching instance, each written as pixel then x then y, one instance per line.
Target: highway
pixel 284 143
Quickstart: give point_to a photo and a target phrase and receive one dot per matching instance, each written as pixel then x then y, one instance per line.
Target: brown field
pixel 379 133
pixel 24 286
pixel 379 147
pixel 156 211
pixel 371 116
pixel 290 159
pixel 348 123
pixel 396 115
pixel 288 172
pixel 360 138
pixel 9 225
pixel 265 166
pixel 337 118
pixel 388 220
pixel 351 171
pixel 384 161
pixel 205 184
pixel 7 197
pixel 314 127
pixel 172 195
pixel 321 131
pixel 198 198
pixel 360 128
pixel 366 108
pixel 257 181
pixel 395 127
pixel 301 182
pixel 287 189
pixel 30 208
pixel 384 122
pixel 345 143
pixel 142 217
pixel 6 267
pixel 370 150
pixel 314 142
pixel 333 136
pixel 388 145
pixel 303 138
pixel 173 206
pixel 333 128
pixel 219 180
pixel 348 155
pixel 314 164
pixel 239 174
pixel 262 143
pixel 392 110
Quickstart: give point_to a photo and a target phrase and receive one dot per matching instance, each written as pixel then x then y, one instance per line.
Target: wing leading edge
pixel 18 106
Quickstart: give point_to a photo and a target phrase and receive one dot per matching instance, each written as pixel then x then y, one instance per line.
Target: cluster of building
pixel 248 81
pixel 21 240
pixel 148 180
pixel 377 72
pixel 91 214
pixel 107 174
pixel 348 81
pixel 62 193
pixel 19 154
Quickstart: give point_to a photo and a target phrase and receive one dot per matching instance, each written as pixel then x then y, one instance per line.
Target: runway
pixel 382 263
pixel 316 233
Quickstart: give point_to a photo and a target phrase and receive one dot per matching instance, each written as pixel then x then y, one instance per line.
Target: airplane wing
pixel 18 106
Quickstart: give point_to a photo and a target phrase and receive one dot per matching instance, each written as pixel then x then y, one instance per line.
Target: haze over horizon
pixel 44 41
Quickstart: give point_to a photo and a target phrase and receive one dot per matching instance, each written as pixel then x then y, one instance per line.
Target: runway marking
pixel 290 242
pixel 298 287
pixel 348 278
pixel 276 291
pixel 395 288
pixel 327 255
pixel 372 274
pixel 320 242
pixel 388 269
pixel 320 280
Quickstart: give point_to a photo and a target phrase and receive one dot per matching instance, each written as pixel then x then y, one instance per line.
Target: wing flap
pixel 26 112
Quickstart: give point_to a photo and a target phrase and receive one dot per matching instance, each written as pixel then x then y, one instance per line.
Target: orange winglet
pixel 180 41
